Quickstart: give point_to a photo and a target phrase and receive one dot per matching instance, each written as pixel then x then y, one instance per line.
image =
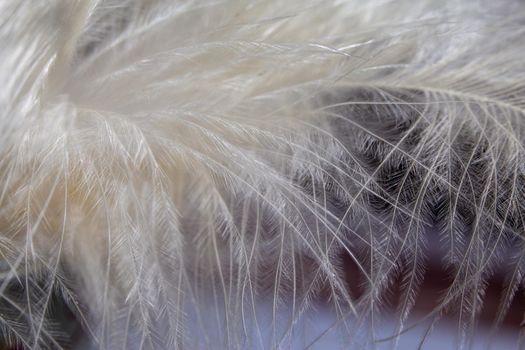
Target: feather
pixel 167 167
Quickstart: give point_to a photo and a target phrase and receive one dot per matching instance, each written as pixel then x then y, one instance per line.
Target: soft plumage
pixel 166 166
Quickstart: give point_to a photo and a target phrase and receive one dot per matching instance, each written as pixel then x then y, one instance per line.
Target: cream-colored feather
pixel 167 167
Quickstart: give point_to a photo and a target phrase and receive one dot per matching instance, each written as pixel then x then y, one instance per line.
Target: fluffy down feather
pixel 168 166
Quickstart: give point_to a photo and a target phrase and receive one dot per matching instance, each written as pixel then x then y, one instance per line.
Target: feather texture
pixel 165 166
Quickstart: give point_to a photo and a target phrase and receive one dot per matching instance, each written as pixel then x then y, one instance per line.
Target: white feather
pixel 167 165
